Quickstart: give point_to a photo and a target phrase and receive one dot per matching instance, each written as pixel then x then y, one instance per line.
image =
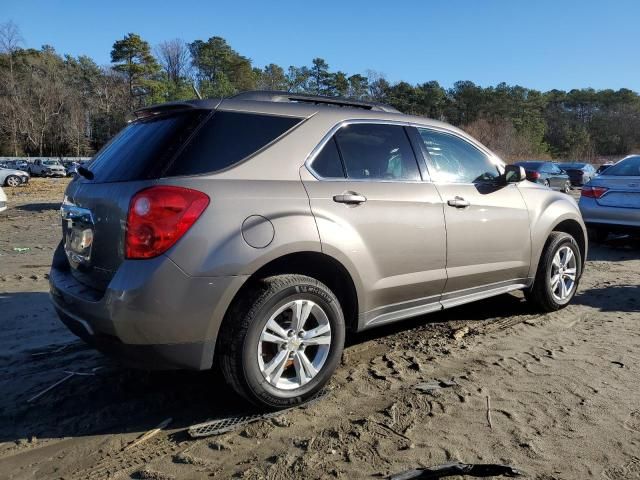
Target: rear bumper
pixel 152 315
pixel 614 218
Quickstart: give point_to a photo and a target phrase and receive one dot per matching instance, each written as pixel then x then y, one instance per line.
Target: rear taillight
pixel 593 192
pixel 533 175
pixel 159 216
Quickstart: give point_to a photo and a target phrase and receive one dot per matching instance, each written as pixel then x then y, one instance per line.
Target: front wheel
pixel 281 342
pixel 558 273
pixel 13 181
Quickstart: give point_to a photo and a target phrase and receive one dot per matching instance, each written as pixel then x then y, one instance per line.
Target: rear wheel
pixel 567 187
pixel 558 273
pixel 13 181
pixel 547 184
pixel 282 341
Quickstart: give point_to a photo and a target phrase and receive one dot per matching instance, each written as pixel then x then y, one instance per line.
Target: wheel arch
pixel 568 223
pixel 320 266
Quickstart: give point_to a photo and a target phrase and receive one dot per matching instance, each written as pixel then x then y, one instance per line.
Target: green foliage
pixel 132 57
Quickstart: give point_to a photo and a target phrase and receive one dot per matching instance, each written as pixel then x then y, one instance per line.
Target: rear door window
pixel 377 152
pixel 226 139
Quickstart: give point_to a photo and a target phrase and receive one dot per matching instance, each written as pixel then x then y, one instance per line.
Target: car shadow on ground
pixel 38 207
pixel 616 248
pixel 612 298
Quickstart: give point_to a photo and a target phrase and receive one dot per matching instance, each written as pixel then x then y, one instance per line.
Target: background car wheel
pixel 282 340
pixel 597 235
pixel 547 184
pixel 12 181
pixel 567 187
pixel 558 273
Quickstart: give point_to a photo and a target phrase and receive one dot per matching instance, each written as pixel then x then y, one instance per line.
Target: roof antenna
pixel 197 92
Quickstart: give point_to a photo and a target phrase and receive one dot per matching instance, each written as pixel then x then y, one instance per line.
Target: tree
pixel 221 71
pixel 338 84
pixel 175 59
pixel 132 57
pixel 272 77
pixel 10 41
pixel 319 76
pixel 298 79
pixel 358 86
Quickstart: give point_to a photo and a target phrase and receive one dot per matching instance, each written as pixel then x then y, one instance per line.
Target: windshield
pixel 629 167
pixel 50 162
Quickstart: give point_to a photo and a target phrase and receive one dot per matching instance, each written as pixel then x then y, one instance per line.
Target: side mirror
pixel 514 174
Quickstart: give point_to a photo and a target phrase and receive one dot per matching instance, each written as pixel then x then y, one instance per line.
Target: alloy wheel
pixel 294 344
pixel 13 181
pixel 563 274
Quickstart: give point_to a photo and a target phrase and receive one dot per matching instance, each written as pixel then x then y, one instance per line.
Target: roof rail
pixel 277 96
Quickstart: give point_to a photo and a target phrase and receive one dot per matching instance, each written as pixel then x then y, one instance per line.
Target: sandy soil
pixel 563 388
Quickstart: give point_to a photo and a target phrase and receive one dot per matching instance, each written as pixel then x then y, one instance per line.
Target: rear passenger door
pixel 488 240
pixel 376 215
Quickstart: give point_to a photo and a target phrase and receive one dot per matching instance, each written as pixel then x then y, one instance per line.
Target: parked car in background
pixel 546 173
pixel 13 178
pixel 71 168
pixel 579 173
pixel 262 227
pixel 611 201
pixel 602 168
pixel 3 200
pixel 46 168
pixel 17 164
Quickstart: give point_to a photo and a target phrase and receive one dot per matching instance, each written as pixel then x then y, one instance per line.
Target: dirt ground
pixel 556 396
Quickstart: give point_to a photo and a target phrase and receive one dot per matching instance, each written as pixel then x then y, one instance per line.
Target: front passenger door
pixel 488 240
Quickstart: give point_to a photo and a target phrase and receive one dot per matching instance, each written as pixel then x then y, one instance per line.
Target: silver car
pixel 610 202
pixel 257 230
pixel 13 178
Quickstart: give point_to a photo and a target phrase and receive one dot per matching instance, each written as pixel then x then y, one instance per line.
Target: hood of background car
pixel 11 171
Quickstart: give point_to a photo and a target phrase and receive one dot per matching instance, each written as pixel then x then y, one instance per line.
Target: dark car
pixel 547 173
pixel 602 168
pixel 580 173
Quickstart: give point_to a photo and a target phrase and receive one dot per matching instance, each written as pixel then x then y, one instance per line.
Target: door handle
pixel 458 202
pixel 350 198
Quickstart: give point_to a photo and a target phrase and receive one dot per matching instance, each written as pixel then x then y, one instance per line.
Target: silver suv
pixel 258 229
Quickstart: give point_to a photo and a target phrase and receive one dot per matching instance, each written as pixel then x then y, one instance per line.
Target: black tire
pixel 243 325
pixel 12 181
pixel 597 234
pixel 547 184
pixel 540 295
pixel 567 187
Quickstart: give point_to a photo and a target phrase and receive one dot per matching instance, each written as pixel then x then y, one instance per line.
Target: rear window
pixel 629 167
pixel 151 148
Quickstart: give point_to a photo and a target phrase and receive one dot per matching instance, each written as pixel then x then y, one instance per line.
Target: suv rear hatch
pixel 170 141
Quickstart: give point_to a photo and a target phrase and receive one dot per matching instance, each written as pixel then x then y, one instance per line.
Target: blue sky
pixel 539 44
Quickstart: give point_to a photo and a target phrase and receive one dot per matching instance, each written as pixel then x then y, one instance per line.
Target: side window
pixel 455 160
pixel 377 152
pixel 327 163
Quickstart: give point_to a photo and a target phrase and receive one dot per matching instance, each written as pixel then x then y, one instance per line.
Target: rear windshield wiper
pixel 85 172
